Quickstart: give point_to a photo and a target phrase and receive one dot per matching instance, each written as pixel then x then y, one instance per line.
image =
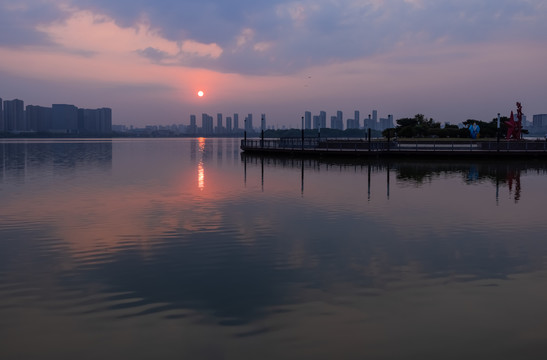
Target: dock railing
pixel 381 145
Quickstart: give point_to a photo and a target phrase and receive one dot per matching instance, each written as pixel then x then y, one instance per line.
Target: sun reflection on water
pixel 201 171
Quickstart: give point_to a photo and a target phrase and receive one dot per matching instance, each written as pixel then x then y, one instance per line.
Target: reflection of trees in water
pixel 419 172
pixel 504 173
pixel 415 172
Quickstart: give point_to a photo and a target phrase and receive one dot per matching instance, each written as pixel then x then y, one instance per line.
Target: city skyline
pixel 35 118
pixel 16 118
pixel 450 61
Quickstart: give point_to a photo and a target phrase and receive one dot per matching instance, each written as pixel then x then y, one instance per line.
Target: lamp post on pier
pixel 302 133
pixel 262 133
pixel 245 133
pixel 498 133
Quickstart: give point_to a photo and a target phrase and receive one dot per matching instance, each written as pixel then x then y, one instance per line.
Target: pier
pixel 383 147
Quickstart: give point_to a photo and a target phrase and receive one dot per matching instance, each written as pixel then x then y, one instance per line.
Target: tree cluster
pixel 421 127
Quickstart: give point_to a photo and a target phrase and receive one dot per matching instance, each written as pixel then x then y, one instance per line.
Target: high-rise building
pixel 357 119
pixel 323 119
pixel 249 123
pixel 350 123
pixel 105 120
pixel 334 122
pixel 236 121
pixel 14 115
pixel 372 122
pixel 525 122
pixel 316 121
pixel 385 123
pixel 193 129
pixel 307 120
pixel 219 129
pixel 340 120
pixel 64 118
pixel 206 124
pixel 38 118
pixel 32 116
pixel 88 121
pixel 539 121
pixel 228 124
pixel 1 115
pixel 367 123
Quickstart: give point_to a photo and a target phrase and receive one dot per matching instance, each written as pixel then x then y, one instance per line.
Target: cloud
pixel 84 30
pixel 83 47
pixel 155 55
pixel 18 20
pixel 272 37
pixel 199 49
pixel 254 50
pixel 91 33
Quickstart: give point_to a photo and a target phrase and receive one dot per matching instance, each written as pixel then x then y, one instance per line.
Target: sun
pixel 201 93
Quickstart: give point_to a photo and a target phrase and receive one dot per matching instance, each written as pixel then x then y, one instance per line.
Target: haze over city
pixel 450 60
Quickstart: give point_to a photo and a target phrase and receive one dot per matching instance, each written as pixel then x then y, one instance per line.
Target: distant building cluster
pixel 223 126
pixel 337 121
pixel 228 125
pixel 232 125
pixel 539 123
pixel 58 119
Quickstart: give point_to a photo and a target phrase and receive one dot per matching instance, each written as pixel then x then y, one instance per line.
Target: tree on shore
pixel 420 126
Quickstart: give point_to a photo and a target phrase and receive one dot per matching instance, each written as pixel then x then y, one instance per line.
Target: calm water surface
pixel 186 249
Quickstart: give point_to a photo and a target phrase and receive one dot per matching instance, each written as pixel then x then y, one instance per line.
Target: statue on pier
pixel 474 130
pixel 514 128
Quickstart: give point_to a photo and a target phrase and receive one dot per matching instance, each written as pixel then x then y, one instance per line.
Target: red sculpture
pixel 514 128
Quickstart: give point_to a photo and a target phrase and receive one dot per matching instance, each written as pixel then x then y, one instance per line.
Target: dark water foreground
pixel 186 248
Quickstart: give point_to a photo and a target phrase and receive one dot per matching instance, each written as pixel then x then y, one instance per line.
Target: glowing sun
pixel 201 93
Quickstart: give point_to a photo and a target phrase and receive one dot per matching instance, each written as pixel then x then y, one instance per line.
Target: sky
pixel 451 60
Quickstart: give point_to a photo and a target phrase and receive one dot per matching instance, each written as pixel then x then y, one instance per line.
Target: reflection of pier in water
pixel 304 165
pixel 497 172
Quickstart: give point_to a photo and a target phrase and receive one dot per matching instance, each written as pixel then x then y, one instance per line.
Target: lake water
pixel 187 249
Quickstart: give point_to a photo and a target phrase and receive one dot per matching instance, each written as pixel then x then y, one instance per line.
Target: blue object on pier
pixel 474 130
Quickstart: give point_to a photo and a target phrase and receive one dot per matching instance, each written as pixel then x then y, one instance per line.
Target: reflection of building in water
pixel 220 148
pixel 20 159
pixel 13 160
